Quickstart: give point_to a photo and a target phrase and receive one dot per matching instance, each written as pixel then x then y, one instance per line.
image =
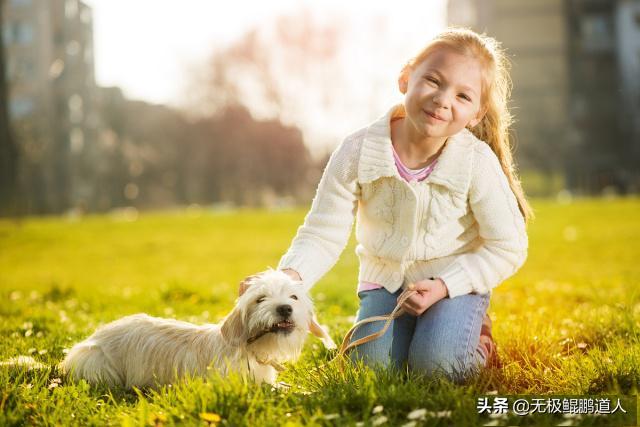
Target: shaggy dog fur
pixel 268 326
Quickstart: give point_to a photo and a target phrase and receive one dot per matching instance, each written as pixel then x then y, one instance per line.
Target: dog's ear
pixel 318 331
pixel 233 327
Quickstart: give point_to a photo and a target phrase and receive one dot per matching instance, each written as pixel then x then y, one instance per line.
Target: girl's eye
pixel 261 299
pixel 465 97
pixel 294 297
pixel 432 80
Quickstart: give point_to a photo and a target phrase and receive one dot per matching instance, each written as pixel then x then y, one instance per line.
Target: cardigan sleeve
pixel 327 226
pixel 501 229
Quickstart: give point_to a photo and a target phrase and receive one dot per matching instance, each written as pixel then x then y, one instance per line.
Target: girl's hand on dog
pixel 428 293
pixel 245 283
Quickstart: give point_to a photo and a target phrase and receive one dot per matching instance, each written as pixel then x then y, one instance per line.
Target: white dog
pixel 268 326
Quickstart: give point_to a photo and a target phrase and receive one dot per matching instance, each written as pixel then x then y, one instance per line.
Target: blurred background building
pixel 50 72
pixel 576 95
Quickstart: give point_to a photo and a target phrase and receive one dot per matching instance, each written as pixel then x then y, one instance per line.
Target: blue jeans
pixel 443 340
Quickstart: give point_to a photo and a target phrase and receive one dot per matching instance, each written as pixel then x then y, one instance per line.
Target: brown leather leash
pixel 397 312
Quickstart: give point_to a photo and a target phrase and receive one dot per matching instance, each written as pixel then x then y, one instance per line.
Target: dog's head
pixel 272 317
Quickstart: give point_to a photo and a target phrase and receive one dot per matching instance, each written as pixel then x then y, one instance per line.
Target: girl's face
pixel 442 93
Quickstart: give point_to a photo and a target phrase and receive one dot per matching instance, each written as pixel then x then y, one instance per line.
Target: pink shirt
pixel 408 175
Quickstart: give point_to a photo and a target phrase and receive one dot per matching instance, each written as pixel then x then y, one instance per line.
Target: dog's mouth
pixel 284 326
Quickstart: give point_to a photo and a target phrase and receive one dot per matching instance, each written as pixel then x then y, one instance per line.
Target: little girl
pixel 438 204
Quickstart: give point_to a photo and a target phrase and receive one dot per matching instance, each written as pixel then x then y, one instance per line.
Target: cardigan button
pixel 404 241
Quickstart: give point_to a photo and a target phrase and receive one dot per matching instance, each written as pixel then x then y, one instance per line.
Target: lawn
pixel 567 323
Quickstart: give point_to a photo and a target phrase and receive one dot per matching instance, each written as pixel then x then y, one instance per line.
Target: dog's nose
pixel 284 310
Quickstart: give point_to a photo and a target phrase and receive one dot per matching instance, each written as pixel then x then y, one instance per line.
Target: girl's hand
pixel 244 284
pixel 428 293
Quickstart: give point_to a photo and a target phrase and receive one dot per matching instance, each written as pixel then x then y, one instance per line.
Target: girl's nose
pixel 440 99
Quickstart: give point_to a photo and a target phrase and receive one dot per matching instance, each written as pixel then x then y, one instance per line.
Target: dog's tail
pixel 23 362
pixel 86 361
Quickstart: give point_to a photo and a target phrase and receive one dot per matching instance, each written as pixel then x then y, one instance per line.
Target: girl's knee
pixel 455 366
pixel 429 361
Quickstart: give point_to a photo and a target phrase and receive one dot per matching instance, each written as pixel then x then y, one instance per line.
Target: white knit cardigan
pixel 461 223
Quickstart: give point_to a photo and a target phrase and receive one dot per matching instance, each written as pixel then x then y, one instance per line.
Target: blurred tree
pixel 276 70
pixel 140 153
pixel 153 156
pixel 112 171
pixel 234 158
pixel 8 149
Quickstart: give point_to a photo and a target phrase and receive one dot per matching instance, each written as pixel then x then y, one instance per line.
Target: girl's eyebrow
pixel 464 87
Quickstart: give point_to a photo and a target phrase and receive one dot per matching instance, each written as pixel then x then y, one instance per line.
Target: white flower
pixel 54 383
pixel 417 414
pixel 379 420
pixel 439 414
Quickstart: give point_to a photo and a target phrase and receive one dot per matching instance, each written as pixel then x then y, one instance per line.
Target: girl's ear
pixel 403 80
pixel 478 118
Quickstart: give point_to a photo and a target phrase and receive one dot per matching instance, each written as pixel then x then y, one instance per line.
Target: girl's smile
pixel 434 116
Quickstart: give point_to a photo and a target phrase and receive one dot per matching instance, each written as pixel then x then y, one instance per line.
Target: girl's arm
pixel 501 228
pixel 326 228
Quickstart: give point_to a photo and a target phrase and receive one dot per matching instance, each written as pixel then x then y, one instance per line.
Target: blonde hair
pixel 493 129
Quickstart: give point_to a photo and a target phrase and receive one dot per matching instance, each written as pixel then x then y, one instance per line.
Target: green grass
pixel 566 323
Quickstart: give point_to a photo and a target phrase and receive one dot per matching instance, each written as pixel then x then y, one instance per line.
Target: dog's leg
pixel 88 361
pixel 260 372
pixel 319 331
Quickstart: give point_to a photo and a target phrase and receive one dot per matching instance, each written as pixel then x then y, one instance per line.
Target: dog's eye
pixel 295 297
pixel 261 299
